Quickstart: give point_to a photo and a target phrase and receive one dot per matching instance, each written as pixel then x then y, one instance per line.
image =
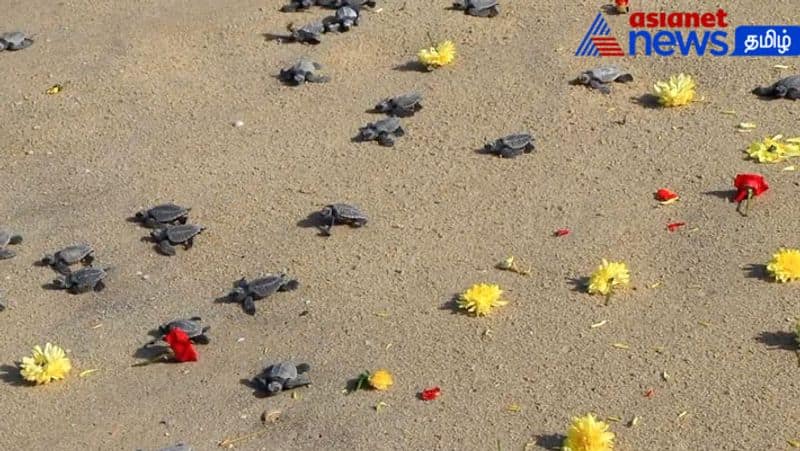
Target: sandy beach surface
pixel 151 89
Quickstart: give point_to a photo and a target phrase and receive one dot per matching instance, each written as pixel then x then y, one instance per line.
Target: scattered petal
pixel 682 414
pixel 729 112
pixel 513 408
pixel 621 346
pixel 85 373
pixel 746 126
pixel 675 226
pixel 562 232
pixel 634 421
pixel 380 405
pixel 600 324
pixel 429 394
pixel 665 195
pixel 780 66
pixel 789 168
pixel 55 89
pixel 665 376
pixel 649 393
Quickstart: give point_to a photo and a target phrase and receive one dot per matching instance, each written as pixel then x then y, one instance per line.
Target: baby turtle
pixel 479 8
pixel 172 235
pixel 303 71
pixel 345 18
pixel 248 292
pixel 382 131
pixel 6 238
pixel 16 40
pixel 297 5
pixel 511 146
pixel 340 214
pixel 599 78
pixel 355 4
pixel 788 87
pixel 192 327
pixel 163 214
pixel 283 376
pixel 61 260
pixel 2 305
pixel 310 33
pixel 400 106
pixel 82 280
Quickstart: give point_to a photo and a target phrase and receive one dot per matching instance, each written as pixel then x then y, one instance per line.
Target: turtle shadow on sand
pixel 757 271
pixel 411 66
pixel 314 220
pixel 258 392
pixel 10 375
pixel 782 340
pixel 579 284
pixel 550 441
pixel 51 286
pixel 647 101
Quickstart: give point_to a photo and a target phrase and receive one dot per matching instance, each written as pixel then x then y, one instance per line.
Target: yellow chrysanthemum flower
pixel 481 298
pixel 439 55
pixel 785 265
pixel 381 380
pixel 773 150
pixel 678 91
pixel 608 276
pixel 588 434
pixel 45 365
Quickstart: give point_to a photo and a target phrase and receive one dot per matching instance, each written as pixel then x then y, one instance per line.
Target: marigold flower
pixel 587 433
pixel 773 150
pixel 45 365
pixel 785 265
pixel 678 91
pixel 439 55
pixel 608 276
pixel 381 380
pixel 181 345
pixel 481 298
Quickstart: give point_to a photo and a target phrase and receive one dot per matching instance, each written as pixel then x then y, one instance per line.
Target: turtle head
pixel 48 259
pixel 780 90
pixel 60 282
pixel 583 79
pixel 274 387
pixel 289 284
pixel 237 294
pixel 141 215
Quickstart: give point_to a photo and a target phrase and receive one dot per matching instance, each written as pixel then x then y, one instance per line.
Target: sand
pixel 151 89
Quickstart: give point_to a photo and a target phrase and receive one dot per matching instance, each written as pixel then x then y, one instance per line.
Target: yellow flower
pixel 773 150
pixel 785 265
pixel 678 91
pixel 588 434
pixel 481 298
pixel 441 54
pixel 45 365
pixel 381 380
pixel 608 276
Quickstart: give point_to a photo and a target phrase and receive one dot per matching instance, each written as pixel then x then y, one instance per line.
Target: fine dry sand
pixel 151 90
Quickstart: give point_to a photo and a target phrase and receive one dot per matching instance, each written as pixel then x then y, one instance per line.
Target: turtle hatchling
pixel 310 33
pixel 340 214
pixel 297 5
pixel 382 131
pixel 788 87
pixel 400 106
pixel 599 78
pixel 336 4
pixel 170 236
pixel 82 280
pixel 192 326
pixel 303 71
pixel 345 18
pixel 16 40
pixel 163 214
pixel 61 260
pixel 479 8
pixel 511 146
pixel 7 238
pixel 283 376
pixel 248 292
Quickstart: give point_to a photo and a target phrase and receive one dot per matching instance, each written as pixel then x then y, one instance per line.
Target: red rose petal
pixel 429 394
pixel 664 194
pixel 561 232
pixel 650 393
pixel 675 226
pixel 181 345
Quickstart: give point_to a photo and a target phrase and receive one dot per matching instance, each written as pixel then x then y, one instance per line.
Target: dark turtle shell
pixel 191 326
pixel 74 253
pixel 85 277
pixel 347 212
pixel 181 233
pixel 517 140
pixel 167 212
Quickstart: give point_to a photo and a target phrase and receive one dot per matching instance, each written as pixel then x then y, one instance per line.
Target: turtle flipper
pixel 299 381
pixel 249 305
pixel 6 253
pixel 793 94
pixel 303 368
pixel 624 78
pixel 166 248
pixel 88 260
pixel 600 86
pixel 99 286
pixel 385 139
pixel 61 267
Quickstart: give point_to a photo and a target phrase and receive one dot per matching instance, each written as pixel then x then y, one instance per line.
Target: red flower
pixel 181 345
pixel 749 185
pixel 561 232
pixel 675 226
pixel 429 394
pixel 664 195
